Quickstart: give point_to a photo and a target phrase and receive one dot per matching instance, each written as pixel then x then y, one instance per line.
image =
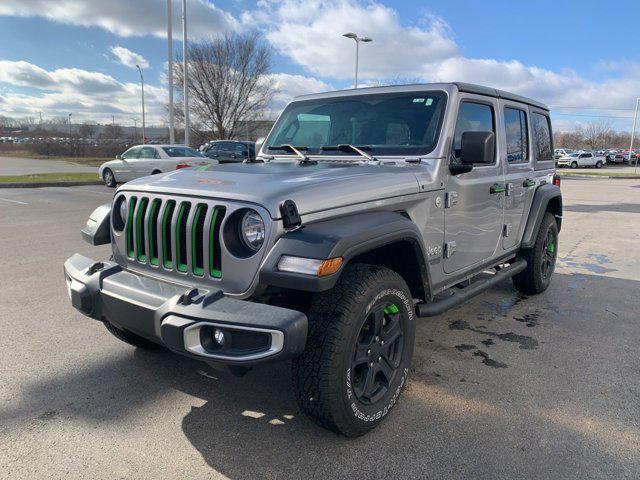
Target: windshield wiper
pixel 297 150
pixel 345 147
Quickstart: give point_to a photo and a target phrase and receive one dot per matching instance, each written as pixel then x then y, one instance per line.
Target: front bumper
pixel 184 319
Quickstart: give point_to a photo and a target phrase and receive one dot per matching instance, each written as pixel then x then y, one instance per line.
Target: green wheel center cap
pixel 391 309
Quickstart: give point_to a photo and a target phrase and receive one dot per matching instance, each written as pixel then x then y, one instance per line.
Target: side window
pixel 515 123
pixel 147 152
pixel 133 152
pixel 542 137
pixel 472 117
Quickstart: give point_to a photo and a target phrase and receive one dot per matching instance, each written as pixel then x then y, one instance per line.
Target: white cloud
pixel 128 58
pixel 86 94
pixel 310 33
pixel 290 86
pixel 126 18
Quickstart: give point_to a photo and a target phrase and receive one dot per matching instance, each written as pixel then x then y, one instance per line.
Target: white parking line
pixel 93 191
pixel 14 201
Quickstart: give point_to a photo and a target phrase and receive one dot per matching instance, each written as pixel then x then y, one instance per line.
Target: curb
pixel 49 184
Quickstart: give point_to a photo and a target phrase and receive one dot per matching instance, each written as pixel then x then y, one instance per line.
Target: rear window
pixel 542 137
pixel 181 152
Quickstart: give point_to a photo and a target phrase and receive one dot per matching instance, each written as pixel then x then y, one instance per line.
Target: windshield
pixel 574 154
pixel 181 152
pixel 402 123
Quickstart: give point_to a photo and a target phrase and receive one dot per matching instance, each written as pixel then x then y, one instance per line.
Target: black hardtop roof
pixel 448 86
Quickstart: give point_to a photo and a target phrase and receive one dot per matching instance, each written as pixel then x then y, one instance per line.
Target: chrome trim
pixel 192 341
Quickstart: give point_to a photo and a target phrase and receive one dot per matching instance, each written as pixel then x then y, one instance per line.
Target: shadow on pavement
pixel 458 417
pixel 590 208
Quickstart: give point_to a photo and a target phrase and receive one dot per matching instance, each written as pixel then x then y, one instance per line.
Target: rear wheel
pixel 109 178
pixel 541 259
pixel 358 352
pixel 131 338
pixel 156 172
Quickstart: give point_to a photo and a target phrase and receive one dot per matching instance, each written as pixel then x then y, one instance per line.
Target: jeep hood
pixel 313 188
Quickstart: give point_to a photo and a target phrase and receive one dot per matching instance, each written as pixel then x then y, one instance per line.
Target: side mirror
pixel 119 157
pixel 478 148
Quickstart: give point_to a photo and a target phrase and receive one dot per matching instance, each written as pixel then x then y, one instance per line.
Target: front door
pixel 474 200
pixel 519 177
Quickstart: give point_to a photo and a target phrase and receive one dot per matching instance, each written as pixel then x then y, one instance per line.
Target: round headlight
pixel 123 210
pixel 252 230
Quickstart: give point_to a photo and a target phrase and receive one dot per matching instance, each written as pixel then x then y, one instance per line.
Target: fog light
pixel 218 336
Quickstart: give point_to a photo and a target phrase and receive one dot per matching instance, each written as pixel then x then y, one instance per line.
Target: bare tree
pixel 596 135
pixel 227 82
pixel 86 130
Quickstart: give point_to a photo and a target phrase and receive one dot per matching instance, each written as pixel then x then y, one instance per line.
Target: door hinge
pixel 509 189
pixel 450 199
pixel 506 230
pixel 449 249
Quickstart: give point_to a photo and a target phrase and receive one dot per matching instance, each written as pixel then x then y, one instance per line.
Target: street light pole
pixel 633 133
pixel 172 136
pixel 357 39
pixel 144 135
pixel 185 73
pixel 69 125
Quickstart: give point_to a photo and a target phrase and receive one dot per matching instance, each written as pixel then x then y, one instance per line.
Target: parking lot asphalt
pixel 503 387
pixel 28 166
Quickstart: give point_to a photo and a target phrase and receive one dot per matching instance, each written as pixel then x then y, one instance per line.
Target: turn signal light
pixel 182 165
pixel 330 266
pixel 556 181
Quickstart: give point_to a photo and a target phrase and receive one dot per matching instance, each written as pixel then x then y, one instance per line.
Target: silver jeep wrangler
pixel 364 210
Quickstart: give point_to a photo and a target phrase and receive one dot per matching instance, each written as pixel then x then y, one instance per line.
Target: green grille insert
pixel 197 231
pixel 215 252
pixel 167 257
pixel 130 247
pixel 152 229
pixel 181 237
pixel 140 243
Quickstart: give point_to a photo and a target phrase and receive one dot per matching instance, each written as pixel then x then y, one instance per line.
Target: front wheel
pixel 541 259
pixel 574 164
pixel 358 351
pixel 109 178
pixel 598 164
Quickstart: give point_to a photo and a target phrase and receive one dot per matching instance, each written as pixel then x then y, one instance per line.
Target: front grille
pixel 182 236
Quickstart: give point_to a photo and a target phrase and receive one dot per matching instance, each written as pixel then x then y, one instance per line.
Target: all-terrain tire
pixel 108 177
pixel 326 376
pixel 536 277
pixel 131 338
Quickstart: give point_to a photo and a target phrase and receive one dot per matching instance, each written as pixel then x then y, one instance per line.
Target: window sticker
pixel 429 102
pixel 418 100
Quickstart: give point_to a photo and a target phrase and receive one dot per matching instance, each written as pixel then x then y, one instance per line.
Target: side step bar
pixel 437 307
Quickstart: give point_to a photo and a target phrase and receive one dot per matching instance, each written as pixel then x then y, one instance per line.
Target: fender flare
pixel 544 195
pixel 345 237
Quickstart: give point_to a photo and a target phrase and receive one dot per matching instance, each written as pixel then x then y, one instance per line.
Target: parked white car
pixel 142 160
pixel 562 152
pixel 582 159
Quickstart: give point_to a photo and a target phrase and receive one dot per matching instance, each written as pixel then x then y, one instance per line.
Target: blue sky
pixel 59 57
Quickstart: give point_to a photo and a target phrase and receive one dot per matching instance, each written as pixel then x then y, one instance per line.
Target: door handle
pixel 528 183
pixel 496 188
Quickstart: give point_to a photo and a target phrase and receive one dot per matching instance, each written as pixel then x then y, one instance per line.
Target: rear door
pixel 474 200
pixel 147 161
pixel 518 164
pixel 586 160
